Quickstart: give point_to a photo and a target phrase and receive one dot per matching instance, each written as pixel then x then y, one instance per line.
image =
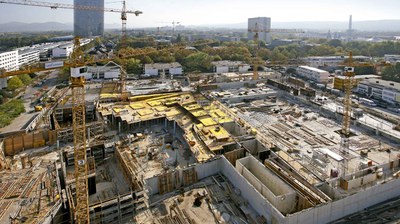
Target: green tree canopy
pixel 198 62
pixel 392 73
pixel 14 83
pixel 133 66
pixel 26 79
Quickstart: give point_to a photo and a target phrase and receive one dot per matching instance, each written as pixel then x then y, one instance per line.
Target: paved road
pixel 21 120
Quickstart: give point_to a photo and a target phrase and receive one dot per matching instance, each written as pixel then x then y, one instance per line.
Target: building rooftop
pixel 360 77
pixel 162 65
pixel 229 63
pixel 312 68
pixel 382 83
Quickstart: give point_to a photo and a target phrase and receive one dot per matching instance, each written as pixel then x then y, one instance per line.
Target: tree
pixel 392 73
pixel 14 83
pixel 277 56
pixel 133 66
pixel 26 79
pixel 179 38
pixel 198 62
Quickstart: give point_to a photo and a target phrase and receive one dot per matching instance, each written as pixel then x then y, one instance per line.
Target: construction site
pixel 231 148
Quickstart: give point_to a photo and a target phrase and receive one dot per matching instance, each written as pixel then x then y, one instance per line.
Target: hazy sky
pixel 201 12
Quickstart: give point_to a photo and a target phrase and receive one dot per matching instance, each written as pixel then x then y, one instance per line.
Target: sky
pixel 208 12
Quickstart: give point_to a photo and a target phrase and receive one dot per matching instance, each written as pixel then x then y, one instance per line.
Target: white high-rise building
pixel 8 62
pixel 261 24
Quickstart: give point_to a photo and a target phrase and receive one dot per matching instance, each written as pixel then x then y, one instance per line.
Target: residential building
pixel 28 56
pixel 89 23
pixel 157 69
pixel 388 91
pixel 230 66
pixel 63 51
pixel 332 61
pixel 339 80
pixel 262 25
pixel 314 74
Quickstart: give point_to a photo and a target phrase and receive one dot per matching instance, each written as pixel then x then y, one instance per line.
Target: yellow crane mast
pixel 256 30
pixel 348 86
pixel 81 209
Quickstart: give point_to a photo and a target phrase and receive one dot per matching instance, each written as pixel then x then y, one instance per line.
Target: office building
pixel 89 23
pixel 230 66
pixel 158 69
pixel 388 91
pixel 28 56
pixel 262 25
pixel 9 60
pixel 314 74
pixel 332 61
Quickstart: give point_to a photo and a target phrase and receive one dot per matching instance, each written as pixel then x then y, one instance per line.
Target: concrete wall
pixel 254 146
pixel 203 170
pixel 278 193
pixel 257 201
pixel 234 129
pixel 348 205
pixel 320 214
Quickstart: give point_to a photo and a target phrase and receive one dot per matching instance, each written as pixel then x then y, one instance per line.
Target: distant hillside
pixel 375 25
pixel 47 26
pixel 34 27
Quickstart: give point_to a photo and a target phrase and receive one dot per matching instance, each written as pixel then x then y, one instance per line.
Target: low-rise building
pixel 9 60
pixel 230 66
pixel 388 91
pixel 339 80
pixel 109 71
pixel 392 58
pixel 63 51
pixel 314 74
pixel 157 69
pixel 28 56
pixel 332 61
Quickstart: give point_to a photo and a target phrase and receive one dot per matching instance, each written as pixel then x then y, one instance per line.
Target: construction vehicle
pixel 38 108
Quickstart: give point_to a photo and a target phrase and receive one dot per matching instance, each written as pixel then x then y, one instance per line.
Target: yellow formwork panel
pixel 199 113
pixel 144 112
pixel 154 103
pixel 219 133
pixel 192 107
pixel 160 108
pixel 208 121
pixel 136 106
pixel 109 95
pixel 225 120
pixel 172 112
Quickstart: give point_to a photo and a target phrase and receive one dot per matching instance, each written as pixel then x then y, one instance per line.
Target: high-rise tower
pixel 262 25
pixel 350 31
pixel 89 23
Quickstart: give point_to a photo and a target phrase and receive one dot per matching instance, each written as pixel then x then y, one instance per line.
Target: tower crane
pixel 81 209
pixel 68 6
pixel 256 30
pixel 124 12
pixel 348 85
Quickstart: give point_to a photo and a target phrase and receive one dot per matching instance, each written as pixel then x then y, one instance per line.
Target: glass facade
pixel 88 23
